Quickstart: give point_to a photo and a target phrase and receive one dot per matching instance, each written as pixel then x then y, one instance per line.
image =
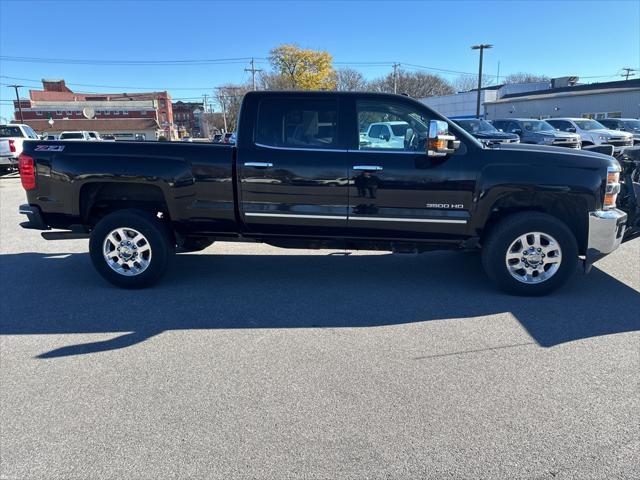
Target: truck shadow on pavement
pixel 62 294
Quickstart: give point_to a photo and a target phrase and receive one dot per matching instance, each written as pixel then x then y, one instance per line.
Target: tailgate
pixel 5 150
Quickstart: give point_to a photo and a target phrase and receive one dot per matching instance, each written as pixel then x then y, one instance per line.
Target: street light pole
pixel 16 87
pixel 480 47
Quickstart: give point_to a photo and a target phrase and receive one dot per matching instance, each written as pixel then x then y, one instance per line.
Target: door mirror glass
pixel 440 143
pixel 571 129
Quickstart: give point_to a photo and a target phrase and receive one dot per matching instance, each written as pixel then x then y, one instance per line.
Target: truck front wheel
pixel 130 248
pixel 530 254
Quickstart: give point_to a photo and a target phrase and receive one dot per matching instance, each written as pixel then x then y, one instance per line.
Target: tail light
pixel 12 146
pixel 27 168
pixel 612 188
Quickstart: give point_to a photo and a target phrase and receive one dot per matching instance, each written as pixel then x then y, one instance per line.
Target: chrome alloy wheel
pixel 534 257
pixel 127 251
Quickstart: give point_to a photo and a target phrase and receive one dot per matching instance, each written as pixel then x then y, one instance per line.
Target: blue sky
pixel 585 38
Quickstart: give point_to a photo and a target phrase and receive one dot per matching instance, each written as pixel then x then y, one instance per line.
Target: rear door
pixel 398 191
pixel 293 174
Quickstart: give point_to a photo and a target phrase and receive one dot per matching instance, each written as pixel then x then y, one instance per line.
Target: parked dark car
pixel 487 133
pixel 630 125
pixel 299 177
pixel 537 132
pixel 217 138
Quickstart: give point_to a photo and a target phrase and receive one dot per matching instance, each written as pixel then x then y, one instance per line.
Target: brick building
pixel 56 108
pixel 186 116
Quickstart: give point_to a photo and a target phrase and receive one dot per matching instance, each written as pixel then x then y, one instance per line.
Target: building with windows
pixel 558 97
pixel 57 108
pixel 187 116
pixel 619 99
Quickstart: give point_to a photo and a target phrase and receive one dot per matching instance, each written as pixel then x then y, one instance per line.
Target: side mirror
pixel 517 131
pixel 440 143
pixel 571 129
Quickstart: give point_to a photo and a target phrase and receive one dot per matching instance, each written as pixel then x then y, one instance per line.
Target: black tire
pixel 195 244
pixel 155 233
pixel 500 239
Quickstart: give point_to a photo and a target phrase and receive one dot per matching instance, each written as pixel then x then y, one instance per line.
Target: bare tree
pixel 524 77
pixel 350 80
pixel 273 81
pixel 414 84
pixel 465 83
pixel 229 98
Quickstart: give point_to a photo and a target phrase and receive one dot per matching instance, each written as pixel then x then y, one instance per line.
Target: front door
pixel 396 190
pixel 293 176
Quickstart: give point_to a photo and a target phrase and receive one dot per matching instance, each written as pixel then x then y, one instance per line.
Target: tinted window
pixel 561 125
pixel 10 132
pixel 66 136
pixel 298 123
pixel 408 124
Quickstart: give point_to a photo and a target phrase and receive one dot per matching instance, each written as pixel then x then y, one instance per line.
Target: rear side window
pixel 66 136
pixel 6 131
pixel 298 123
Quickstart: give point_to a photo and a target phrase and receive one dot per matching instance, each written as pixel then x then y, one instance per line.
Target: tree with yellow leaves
pixel 304 69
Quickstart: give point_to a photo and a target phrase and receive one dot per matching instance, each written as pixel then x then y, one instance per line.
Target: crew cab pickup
pixel 300 177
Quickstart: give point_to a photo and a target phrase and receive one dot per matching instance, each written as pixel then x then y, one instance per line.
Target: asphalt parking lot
pixel 249 361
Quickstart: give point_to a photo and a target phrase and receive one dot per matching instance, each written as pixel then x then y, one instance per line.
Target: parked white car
pixel 386 134
pixel 77 135
pixel 592 132
pixel 14 134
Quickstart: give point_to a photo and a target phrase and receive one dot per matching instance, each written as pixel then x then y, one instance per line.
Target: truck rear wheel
pixel 130 248
pixel 530 254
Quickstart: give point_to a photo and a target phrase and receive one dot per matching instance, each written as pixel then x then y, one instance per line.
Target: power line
pixel 628 72
pixel 71 61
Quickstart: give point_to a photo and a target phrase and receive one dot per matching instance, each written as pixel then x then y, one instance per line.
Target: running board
pixel 64 235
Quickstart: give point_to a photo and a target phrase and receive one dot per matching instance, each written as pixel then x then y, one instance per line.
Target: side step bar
pixel 64 235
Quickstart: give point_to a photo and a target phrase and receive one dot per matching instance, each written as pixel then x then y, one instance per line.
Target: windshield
pixel 537 126
pixel 71 135
pixel 477 126
pixel 10 132
pixel 589 125
pixel 633 125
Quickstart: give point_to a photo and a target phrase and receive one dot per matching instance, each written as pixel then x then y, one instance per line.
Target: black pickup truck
pixel 302 176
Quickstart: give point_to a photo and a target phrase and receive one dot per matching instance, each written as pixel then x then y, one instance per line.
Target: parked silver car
pixel 538 132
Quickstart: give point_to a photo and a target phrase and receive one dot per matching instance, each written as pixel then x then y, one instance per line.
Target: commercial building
pixel 620 99
pixel 57 108
pixel 558 97
pixel 187 117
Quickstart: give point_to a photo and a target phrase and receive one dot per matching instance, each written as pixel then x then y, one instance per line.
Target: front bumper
pixel 606 229
pixel 34 218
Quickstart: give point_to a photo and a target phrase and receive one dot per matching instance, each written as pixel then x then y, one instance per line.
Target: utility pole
pixel 204 104
pixel 480 47
pixel 224 109
pixel 395 77
pixel 16 87
pixel 253 71
pixel 627 72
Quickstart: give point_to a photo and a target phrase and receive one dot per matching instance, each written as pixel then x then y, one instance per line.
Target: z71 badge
pixel 49 148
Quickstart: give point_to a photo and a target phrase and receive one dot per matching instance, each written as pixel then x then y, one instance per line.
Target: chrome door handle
pixel 258 164
pixel 375 168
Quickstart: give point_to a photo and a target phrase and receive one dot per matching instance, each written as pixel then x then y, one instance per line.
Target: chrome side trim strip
pixel 272 147
pixel 295 215
pixel 419 220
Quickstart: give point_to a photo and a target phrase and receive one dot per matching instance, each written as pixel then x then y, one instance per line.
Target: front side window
pixel 298 123
pixel 537 126
pixel 385 125
pixel 30 133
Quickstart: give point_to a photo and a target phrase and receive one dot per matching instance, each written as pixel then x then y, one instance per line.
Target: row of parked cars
pixel 559 132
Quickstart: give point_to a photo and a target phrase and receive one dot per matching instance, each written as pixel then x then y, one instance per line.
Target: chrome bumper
pixel 606 229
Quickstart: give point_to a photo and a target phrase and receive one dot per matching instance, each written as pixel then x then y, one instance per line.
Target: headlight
pixel 612 188
pixel 548 139
pixel 603 137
